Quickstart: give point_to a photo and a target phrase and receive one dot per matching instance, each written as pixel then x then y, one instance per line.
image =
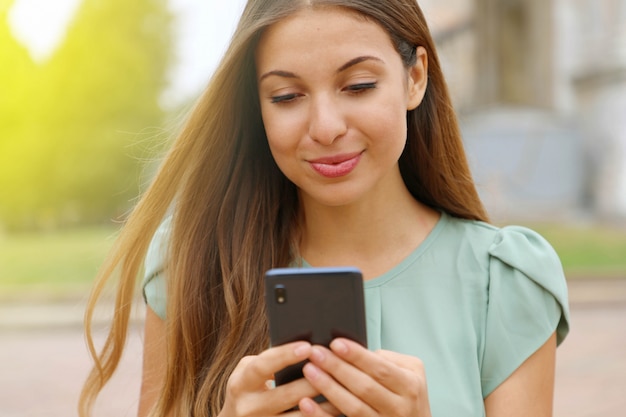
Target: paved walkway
pixel 43 359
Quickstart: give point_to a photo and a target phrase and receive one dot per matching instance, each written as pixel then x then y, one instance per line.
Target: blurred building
pixel 541 90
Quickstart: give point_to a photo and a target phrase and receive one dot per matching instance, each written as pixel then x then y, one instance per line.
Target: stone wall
pixel 559 65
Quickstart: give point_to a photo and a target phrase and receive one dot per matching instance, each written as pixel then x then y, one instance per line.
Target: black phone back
pixel 315 305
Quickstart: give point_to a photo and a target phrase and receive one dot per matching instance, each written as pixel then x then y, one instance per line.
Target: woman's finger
pixel 335 392
pixel 396 372
pixel 386 382
pixel 286 397
pixel 254 371
pixel 311 408
pixel 410 363
pixel 247 392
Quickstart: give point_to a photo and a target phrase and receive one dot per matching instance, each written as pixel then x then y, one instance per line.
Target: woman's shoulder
pixel 518 263
pixel 526 250
pixel 153 284
pixel 526 293
pixel 519 246
pixel 157 251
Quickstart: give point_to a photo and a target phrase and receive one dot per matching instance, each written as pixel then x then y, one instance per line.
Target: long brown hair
pixel 235 214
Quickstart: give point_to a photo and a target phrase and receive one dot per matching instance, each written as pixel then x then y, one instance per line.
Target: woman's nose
pixel 326 120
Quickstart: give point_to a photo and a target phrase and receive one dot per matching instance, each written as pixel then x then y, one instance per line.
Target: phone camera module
pixel 280 294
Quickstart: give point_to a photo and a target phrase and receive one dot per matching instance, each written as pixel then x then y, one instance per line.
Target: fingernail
pixel 311 371
pixel 339 346
pixel 317 355
pixel 306 406
pixel 302 349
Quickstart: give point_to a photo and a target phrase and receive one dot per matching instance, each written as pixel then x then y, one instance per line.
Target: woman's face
pixel 334 95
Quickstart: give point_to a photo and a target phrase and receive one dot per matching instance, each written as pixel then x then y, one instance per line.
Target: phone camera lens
pixel 280 294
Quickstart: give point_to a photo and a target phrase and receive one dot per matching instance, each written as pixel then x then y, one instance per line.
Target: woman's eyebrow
pixel 344 67
pixel 358 60
pixel 279 73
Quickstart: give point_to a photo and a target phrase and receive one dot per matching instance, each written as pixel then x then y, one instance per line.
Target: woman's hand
pixel 249 392
pixel 363 383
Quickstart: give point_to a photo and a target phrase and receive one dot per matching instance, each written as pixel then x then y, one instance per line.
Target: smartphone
pixel 316 305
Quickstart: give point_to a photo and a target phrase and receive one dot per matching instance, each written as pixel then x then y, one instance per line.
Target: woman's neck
pixel 373 235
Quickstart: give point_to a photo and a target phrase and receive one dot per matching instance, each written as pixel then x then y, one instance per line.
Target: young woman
pixel 327 138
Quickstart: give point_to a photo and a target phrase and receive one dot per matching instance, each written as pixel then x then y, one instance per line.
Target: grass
pixel 586 251
pixel 52 265
pixel 62 265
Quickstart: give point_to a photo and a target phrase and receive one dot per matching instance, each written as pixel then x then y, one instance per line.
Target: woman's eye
pixel 285 98
pixel 361 87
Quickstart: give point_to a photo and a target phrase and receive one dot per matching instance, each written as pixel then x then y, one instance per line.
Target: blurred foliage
pixel 75 129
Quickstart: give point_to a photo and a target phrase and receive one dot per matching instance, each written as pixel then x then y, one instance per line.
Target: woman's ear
pixel 418 79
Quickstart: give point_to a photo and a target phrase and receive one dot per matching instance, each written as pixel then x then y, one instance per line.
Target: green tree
pixel 17 77
pixel 97 110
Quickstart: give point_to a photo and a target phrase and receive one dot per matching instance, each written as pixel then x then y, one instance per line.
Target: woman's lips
pixel 337 165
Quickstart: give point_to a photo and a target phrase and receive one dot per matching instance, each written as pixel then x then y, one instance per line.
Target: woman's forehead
pixel 311 28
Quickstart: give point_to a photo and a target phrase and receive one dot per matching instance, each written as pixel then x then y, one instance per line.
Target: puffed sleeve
pixel 154 285
pixel 527 302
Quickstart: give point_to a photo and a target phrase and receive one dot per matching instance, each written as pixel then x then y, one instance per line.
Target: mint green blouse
pixel 473 302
